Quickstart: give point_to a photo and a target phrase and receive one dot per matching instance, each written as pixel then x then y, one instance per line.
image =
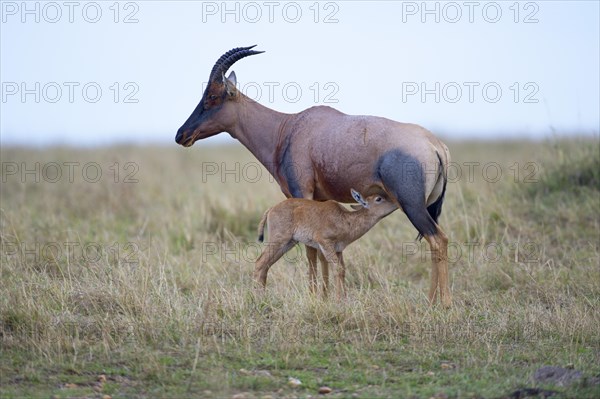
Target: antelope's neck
pixel 360 222
pixel 260 130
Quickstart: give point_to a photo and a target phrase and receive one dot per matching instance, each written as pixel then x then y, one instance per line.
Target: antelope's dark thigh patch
pixel 403 175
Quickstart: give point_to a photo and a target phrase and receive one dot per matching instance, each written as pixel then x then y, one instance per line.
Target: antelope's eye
pixel 378 199
pixel 212 97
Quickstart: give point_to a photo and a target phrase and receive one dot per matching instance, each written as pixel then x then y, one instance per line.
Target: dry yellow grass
pixel 145 276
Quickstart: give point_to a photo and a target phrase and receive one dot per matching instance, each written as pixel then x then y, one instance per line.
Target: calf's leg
pixel 325 273
pixel 311 255
pixel 271 254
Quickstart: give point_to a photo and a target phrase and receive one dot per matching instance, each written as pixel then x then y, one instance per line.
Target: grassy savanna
pixel 139 284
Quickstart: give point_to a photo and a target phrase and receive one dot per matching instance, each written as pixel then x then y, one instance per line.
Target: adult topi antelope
pixel 321 153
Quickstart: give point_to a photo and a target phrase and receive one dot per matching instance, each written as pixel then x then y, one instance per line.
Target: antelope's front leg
pixel 325 273
pixel 311 255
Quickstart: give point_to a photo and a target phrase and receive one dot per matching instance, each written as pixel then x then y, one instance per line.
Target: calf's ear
pixel 358 198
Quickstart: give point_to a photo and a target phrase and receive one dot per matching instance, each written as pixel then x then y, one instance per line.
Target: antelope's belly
pixel 337 186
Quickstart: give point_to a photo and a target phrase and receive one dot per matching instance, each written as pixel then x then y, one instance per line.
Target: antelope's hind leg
pixel 271 254
pixel 403 175
pixel 438 243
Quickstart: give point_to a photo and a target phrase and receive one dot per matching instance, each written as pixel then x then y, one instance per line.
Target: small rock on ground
pixel 557 376
pixel 324 390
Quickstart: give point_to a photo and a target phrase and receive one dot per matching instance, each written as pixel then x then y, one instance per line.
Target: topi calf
pixel 325 226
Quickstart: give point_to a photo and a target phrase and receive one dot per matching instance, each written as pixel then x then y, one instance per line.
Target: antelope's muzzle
pixel 184 137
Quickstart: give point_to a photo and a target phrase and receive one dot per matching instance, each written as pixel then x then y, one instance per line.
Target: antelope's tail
pixel 261 226
pixel 435 209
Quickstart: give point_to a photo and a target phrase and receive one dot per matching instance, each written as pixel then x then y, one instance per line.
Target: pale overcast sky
pixel 86 73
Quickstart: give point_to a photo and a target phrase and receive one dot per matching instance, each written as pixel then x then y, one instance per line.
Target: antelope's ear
pixel 356 207
pixel 232 78
pixel 230 83
pixel 358 198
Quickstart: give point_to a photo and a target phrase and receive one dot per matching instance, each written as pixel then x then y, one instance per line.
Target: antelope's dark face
pixel 210 115
pixel 215 111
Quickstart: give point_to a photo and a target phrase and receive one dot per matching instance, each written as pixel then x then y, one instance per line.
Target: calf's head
pixel 377 203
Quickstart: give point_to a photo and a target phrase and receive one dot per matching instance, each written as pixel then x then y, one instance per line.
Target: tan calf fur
pixel 325 226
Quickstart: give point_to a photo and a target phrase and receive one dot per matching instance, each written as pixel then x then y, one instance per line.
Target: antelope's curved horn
pixel 229 58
